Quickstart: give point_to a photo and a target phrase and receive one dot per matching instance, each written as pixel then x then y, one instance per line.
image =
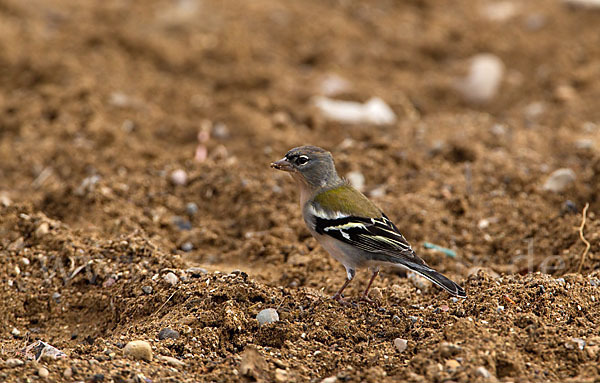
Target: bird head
pixel 309 165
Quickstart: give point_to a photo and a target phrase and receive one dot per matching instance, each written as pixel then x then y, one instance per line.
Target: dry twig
pixel 163 305
pixel 587 244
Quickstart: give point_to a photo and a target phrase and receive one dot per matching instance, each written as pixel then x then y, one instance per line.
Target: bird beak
pixel 282 164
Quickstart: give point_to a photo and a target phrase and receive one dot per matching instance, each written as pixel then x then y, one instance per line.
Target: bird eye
pixel 302 160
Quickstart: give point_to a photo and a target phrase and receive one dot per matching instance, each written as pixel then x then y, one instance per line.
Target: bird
pixel 351 228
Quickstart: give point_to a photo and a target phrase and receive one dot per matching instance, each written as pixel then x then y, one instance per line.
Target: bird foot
pixel 340 299
pixel 370 301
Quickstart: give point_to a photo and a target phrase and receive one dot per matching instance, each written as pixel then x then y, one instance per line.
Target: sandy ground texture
pixel 136 197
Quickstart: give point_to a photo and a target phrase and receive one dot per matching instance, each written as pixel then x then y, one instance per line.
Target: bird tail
pixel 440 280
pixel 435 277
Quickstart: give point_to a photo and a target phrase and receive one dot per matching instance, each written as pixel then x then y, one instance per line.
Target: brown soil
pixel 101 101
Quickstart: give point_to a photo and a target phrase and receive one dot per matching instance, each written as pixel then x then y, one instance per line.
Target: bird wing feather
pixel 377 236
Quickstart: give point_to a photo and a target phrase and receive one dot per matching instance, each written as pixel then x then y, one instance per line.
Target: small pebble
pixel 147 289
pixel 569 207
pixel 396 318
pixel 56 296
pixel 499 11
pixel 181 223
pixel 500 309
pixel 413 319
pixel 483 80
pixel 452 365
pixel 42 230
pixel 281 375
pixel 68 372
pixel 43 372
pixel 187 246
pixel 559 180
pixel 167 333
pixel 483 224
pixel 401 344
pixel 267 316
pixel 173 361
pixel 483 372
pixel 138 349
pixel 220 131
pixel 15 332
pixel 25 261
pixel 584 144
pixel 331 379
pixel 191 208
pixel 13 362
pixel 171 278
pixel 179 177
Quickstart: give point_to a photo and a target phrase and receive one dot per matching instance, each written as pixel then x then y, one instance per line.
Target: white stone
pixel 483 80
pixel 375 111
pixel 179 177
pixel 171 278
pixel 559 180
pixel 499 11
pixel 267 316
pixel 483 372
pixel 401 344
pixel 483 223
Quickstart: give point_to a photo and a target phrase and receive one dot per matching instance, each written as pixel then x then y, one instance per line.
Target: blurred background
pixel 142 131
pixel 461 113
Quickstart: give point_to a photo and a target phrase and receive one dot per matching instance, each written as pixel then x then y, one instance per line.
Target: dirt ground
pixel 101 102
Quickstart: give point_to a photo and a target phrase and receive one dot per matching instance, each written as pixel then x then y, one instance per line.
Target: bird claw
pixel 340 299
pixel 370 301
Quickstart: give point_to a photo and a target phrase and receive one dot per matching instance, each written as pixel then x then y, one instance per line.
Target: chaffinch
pixel 348 225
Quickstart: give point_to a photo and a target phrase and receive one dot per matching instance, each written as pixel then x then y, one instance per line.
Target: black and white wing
pixel 381 240
pixel 373 235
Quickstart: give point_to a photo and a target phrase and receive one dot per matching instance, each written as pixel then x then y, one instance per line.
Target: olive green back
pixel 348 200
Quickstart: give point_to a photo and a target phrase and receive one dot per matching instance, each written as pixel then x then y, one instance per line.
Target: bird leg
pixel 338 296
pixel 365 295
